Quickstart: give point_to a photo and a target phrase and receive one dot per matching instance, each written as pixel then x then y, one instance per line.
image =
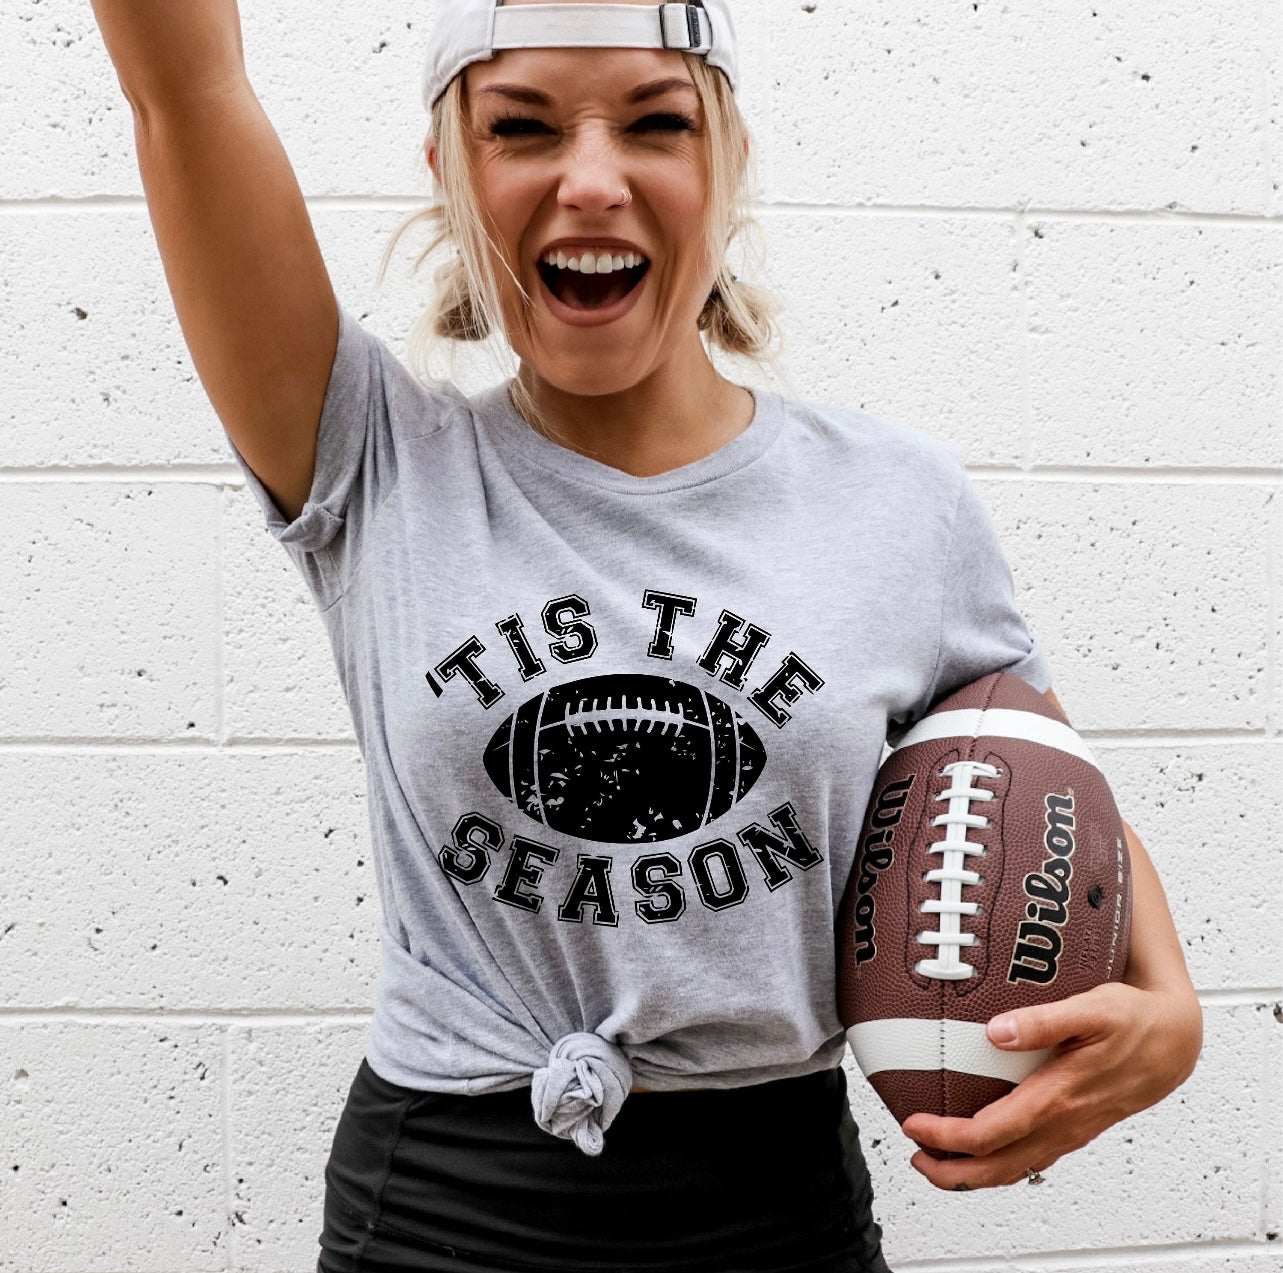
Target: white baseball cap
pixel 467 31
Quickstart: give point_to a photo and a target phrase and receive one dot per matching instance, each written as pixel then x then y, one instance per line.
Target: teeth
pixel 591 263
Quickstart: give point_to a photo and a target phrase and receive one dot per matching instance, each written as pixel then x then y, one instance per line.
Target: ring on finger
pixel 1033 1177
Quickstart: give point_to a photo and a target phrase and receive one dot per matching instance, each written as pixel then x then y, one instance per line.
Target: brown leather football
pixel 992 873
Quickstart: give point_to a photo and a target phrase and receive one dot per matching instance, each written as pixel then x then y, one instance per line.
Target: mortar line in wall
pixel 1264 1132
pixel 1157 1257
pixel 194 474
pixel 1020 231
pixel 1136 216
pixel 261 1018
pixel 1274 590
pixel 1241 998
pixel 1112 739
pixel 763 208
pixel 1263 103
pixel 231 478
pixel 1264 476
pixel 220 621
pixel 159 747
pixel 225 1099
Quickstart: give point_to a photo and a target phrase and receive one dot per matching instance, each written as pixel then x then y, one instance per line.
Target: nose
pixel 593 178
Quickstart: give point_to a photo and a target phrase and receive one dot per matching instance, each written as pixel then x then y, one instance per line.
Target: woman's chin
pixel 587 373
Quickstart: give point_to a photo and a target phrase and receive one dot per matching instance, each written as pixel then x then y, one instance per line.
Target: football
pixel 992 873
pixel 624 759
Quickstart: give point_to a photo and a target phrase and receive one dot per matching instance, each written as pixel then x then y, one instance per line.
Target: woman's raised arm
pixel 251 291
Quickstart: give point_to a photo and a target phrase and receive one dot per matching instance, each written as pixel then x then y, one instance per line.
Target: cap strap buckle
pixel 685 27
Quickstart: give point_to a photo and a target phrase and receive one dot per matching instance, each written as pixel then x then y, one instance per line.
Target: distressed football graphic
pixel 625 759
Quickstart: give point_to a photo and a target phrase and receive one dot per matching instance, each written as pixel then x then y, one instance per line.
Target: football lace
pixel 625 717
pixel 952 874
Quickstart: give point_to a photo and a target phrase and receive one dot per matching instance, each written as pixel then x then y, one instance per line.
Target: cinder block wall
pixel 1050 232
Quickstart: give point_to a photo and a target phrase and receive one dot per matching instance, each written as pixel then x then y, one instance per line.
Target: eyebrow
pixel 642 93
pixel 657 88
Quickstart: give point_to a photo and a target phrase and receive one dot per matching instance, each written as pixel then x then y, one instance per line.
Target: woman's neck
pixel 681 413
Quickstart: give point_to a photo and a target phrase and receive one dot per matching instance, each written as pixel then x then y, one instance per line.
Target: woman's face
pixel 560 139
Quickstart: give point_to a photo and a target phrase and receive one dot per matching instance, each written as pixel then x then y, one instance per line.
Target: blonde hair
pixel 738 317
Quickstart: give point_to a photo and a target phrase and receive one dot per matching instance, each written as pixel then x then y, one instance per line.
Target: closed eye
pixel 518 126
pixel 526 126
pixel 666 121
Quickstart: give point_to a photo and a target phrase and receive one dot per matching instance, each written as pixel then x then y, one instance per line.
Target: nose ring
pixel 625 197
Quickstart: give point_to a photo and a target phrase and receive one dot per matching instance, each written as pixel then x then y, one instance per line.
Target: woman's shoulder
pixel 843 435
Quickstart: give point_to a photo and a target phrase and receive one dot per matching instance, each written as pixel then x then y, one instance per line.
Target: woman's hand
pixel 1120 1048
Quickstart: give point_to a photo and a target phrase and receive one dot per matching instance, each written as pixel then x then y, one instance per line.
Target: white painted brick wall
pixel 1050 232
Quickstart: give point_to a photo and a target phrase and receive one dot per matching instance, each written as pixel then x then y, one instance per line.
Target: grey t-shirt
pixel 619 732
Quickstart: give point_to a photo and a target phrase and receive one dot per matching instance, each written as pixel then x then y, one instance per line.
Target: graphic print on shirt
pixel 624 759
pixel 628 759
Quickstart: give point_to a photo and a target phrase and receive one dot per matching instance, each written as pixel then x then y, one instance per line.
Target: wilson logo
pixel 876 855
pixel 1038 940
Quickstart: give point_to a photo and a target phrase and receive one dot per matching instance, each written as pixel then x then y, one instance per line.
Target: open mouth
pixel 592 280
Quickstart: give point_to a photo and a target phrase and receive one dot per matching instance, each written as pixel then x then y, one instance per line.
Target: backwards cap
pixel 467 31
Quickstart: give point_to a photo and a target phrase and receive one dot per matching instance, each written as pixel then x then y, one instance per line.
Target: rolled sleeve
pixel 355 467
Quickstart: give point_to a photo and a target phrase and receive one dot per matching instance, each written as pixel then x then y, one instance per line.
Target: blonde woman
pixel 622 642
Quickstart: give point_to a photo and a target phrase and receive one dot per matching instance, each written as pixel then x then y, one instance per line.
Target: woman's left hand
pixel 1119 1050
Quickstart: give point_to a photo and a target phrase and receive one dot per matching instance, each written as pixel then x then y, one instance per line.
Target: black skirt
pixel 767 1177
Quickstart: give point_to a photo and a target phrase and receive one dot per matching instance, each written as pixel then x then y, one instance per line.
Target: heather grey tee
pixel 619 732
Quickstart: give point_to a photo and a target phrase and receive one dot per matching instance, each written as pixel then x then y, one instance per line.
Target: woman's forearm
pixel 1156 961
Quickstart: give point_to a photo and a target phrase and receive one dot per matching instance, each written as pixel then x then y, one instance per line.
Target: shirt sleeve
pixel 981 628
pixel 371 402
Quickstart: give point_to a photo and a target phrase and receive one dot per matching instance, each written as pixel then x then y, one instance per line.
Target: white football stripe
pixel 998 722
pixel 910 1043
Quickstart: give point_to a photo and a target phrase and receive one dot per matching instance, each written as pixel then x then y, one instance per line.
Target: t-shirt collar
pixel 495 412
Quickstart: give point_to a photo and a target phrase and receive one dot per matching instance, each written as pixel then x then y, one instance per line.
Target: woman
pixel 622 642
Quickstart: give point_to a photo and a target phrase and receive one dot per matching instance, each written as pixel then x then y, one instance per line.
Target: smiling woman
pixel 676 141
pixel 605 1031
